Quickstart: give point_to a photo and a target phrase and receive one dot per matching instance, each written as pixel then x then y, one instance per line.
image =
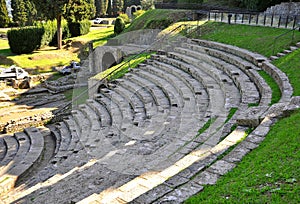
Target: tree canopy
pixel 72 10
pixel 4 19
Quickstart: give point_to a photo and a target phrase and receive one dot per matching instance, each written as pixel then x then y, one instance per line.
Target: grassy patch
pixel 99 36
pixel 123 67
pixel 230 114
pixel 157 19
pixel 42 60
pixel 269 174
pixel 290 65
pixel 255 38
pixel 79 95
pixel 276 93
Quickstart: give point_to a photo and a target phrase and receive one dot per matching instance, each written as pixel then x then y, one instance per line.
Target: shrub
pixel 79 28
pixel 25 40
pixel 158 23
pixel 138 13
pixel 119 25
pixel 125 18
pixel 50 30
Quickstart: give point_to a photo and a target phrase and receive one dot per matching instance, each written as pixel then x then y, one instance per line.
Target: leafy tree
pixel 147 4
pixel 23 11
pixel 109 8
pixel 78 10
pixel 117 7
pixel 57 9
pixel 19 12
pixel 4 19
pixel 51 9
pixel 101 7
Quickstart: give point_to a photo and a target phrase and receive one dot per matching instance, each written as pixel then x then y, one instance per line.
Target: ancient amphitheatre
pixel 179 121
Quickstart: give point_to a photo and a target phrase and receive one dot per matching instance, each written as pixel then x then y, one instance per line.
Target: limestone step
pixel 274 57
pixel 242 53
pixel 158 95
pixel 298 44
pixel 101 111
pixel 136 103
pixel 24 145
pixel 3 149
pixel 121 101
pixel 293 48
pixel 240 79
pixel 287 51
pixel 248 68
pixel 12 146
pixel 30 150
pixel 143 94
pixel 280 54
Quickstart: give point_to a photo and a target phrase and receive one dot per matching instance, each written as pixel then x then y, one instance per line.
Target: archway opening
pixel 108 60
pixel 133 9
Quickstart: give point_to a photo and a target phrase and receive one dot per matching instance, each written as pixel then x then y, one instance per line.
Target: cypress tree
pixel 4 19
pixel 19 12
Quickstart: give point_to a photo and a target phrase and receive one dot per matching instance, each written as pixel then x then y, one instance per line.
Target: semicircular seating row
pixel 139 136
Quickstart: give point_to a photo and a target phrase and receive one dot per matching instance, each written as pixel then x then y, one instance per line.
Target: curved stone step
pixel 145 96
pixel 250 94
pixel 249 68
pixel 29 152
pixel 3 149
pixel 12 146
pixel 24 145
pixel 105 116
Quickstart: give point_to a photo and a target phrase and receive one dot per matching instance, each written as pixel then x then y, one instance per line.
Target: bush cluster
pixel 79 28
pixel 119 25
pixel 25 40
pixel 125 18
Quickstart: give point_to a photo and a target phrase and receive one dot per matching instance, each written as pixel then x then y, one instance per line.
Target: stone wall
pixel 21 123
pixel 285 8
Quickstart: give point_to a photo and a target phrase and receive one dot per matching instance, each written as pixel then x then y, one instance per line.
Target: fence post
pixel 279 21
pixel 235 18
pixel 250 19
pixel 272 20
pixel 287 21
pixel 209 15
pixel 242 18
pixel 257 17
pixel 215 16
pixel 294 24
pixel 265 19
pixel 221 16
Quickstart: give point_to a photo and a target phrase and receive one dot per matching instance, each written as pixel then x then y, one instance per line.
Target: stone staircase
pixel 159 134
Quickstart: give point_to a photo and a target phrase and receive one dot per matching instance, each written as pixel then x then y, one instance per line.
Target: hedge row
pixel 27 39
pixel 79 28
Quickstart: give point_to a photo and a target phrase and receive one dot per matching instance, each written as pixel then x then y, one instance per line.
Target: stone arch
pixel 133 9
pixel 104 57
pixel 139 7
pixel 108 60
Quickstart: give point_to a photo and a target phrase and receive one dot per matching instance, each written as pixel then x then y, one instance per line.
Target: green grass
pixel 268 174
pixel 99 36
pixel 276 93
pixel 81 93
pixel 290 65
pixel 123 67
pixel 42 60
pixel 157 19
pixel 230 114
pixel 254 38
